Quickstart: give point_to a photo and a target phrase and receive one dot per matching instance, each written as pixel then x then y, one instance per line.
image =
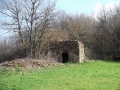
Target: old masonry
pixel 68 51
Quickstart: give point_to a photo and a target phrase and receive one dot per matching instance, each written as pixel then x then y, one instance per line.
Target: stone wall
pixel 70 51
pixel 81 52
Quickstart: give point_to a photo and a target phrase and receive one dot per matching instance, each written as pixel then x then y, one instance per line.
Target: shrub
pixel 12 54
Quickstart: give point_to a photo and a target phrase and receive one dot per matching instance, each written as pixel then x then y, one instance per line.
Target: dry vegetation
pixel 27 63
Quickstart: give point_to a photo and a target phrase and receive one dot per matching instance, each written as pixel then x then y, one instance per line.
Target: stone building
pixel 68 51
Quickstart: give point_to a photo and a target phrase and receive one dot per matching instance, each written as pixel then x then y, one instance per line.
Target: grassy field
pixel 92 75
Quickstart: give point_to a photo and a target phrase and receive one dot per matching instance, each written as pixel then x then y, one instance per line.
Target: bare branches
pixel 31 17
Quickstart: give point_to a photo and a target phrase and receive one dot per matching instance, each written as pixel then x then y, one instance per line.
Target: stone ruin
pixel 68 51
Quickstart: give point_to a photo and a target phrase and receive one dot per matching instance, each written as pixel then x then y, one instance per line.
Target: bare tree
pixel 108 33
pixel 62 21
pixel 29 19
pixel 81 27
pixel 12 10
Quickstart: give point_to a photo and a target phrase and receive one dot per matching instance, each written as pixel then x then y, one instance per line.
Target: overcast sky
pixel 84 6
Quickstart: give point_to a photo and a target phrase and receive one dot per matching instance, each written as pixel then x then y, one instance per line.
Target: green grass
pixel 92 75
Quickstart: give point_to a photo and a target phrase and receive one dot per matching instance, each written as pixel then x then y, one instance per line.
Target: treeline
pixel 30 20
pixel 101 35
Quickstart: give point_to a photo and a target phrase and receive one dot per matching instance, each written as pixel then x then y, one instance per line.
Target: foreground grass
pixel 92 75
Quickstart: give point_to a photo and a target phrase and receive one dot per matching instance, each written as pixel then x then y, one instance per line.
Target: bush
pixel 12 54
pixel 6 56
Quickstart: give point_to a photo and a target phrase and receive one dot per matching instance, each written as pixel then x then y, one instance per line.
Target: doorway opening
pixel 64 57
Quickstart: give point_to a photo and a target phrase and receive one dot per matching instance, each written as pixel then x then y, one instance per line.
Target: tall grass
pixel 92 75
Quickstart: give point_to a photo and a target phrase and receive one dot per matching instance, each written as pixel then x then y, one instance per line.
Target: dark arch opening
pixel 64 57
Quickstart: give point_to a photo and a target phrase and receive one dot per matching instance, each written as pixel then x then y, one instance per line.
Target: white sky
pixel 84 6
